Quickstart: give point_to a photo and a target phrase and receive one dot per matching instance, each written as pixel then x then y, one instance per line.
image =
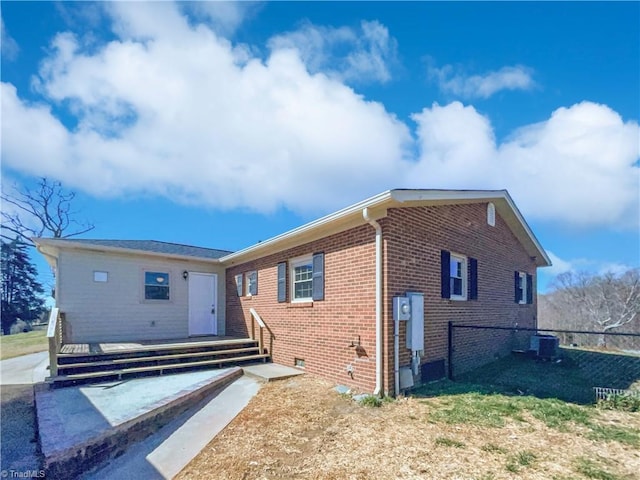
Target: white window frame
pixel 522 285
pixel 168 285
pixel 251 279
pixel 297 262
pixel 465 276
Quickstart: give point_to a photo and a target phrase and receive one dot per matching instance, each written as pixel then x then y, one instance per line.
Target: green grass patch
pixel 591 469
pixel 493 448
pixel 614 433
pixel 626 403
pixel 449 442
pixel 23 343
pixel 491 410
pixel 521 459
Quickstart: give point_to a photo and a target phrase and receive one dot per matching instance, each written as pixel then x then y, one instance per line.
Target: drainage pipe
pixel 376 225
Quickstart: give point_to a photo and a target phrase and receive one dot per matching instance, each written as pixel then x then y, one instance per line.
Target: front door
pixel 203 293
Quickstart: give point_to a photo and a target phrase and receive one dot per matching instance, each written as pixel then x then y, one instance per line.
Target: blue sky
pixel 221 124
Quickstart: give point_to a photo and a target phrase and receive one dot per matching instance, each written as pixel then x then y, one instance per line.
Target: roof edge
pixel 389 199
pixel 60 242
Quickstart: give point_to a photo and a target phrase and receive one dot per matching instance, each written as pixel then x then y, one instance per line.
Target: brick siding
pixel 321 332
pixel 414 238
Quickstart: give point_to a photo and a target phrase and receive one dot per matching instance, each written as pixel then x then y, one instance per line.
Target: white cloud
pixel 466 86
pixel 10 47
pixel 580 166
pixel 154 117
pixel 347 54
pixel 558 265
pixel 225 17
pixel 171 108
pixel 599 267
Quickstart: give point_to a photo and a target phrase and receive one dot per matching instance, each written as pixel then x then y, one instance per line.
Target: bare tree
pixel 603 302
pixel 42 211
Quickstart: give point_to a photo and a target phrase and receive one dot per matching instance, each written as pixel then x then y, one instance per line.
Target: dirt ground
pixel 303 429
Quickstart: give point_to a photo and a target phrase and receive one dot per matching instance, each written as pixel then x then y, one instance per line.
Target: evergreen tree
pixel 21 291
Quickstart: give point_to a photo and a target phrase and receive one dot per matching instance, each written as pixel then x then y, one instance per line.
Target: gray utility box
pixel 545 346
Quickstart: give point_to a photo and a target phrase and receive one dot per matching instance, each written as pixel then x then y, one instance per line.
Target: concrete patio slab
pixel 82 426
pixel 267 372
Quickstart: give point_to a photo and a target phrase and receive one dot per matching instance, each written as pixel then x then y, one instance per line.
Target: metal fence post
pixel 450 350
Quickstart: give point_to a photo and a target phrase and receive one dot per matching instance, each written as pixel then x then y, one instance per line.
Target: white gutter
pixel 376 225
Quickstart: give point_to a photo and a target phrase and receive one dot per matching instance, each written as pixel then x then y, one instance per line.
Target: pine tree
pixel 21 291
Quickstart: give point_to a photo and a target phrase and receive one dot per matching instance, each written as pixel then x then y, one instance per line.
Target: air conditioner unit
pixel 544 346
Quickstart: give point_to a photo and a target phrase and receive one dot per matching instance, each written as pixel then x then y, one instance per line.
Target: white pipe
pixel 379 327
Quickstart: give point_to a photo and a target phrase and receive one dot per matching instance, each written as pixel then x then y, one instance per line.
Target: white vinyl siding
pixel 116 311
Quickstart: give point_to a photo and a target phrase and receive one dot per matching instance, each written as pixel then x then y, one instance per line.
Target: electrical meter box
pixel 401 308
pixel 415 327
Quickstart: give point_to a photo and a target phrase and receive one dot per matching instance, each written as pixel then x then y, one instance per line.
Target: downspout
pixel 379 326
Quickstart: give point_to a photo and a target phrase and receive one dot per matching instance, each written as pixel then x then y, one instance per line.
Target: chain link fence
pixel 570 365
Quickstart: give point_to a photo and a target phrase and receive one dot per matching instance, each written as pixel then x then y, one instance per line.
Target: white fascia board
pixel 353 212
pixel 352 215
pixel 54 245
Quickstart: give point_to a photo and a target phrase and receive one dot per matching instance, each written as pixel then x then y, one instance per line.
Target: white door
pixel 203 314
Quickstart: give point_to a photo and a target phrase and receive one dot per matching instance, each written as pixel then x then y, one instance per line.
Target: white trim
pixel 377 205
pixel 522 279
pixel 464 261
pixel 293 263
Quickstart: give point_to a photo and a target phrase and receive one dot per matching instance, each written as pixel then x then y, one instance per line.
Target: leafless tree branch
pixel 42 211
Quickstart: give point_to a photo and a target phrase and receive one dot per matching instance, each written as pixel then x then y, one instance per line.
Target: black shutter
pixel 473 279
pixel 318 276
pixel 282 282
pixel 445 269
pixel 529 289
pixel 516 287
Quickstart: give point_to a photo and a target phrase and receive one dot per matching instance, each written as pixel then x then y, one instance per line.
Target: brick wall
pixel 318 332
pixel 414 238
pixel 321 332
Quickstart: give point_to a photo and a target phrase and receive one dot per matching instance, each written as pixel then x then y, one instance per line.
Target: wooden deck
pixel 143 345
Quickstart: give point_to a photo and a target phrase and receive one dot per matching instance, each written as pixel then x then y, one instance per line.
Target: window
pixel 252 283
pixel 302 279
pixel 523 287
pixel 156 286
pixel 100 276
pixel 239 290
pixel 459 276
pixel 306 275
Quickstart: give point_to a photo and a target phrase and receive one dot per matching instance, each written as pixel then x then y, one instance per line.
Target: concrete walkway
pixel 71 416
pixel 164 454
pixel 24 370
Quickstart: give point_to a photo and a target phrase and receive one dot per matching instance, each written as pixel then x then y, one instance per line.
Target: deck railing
pixel 263 326
pixel 55 336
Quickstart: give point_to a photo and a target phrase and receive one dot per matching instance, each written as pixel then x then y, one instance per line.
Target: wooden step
pixel 164 349
pixel 155 368
pixel 155 358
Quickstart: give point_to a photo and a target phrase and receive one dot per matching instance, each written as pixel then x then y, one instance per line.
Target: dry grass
pixel 303 429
